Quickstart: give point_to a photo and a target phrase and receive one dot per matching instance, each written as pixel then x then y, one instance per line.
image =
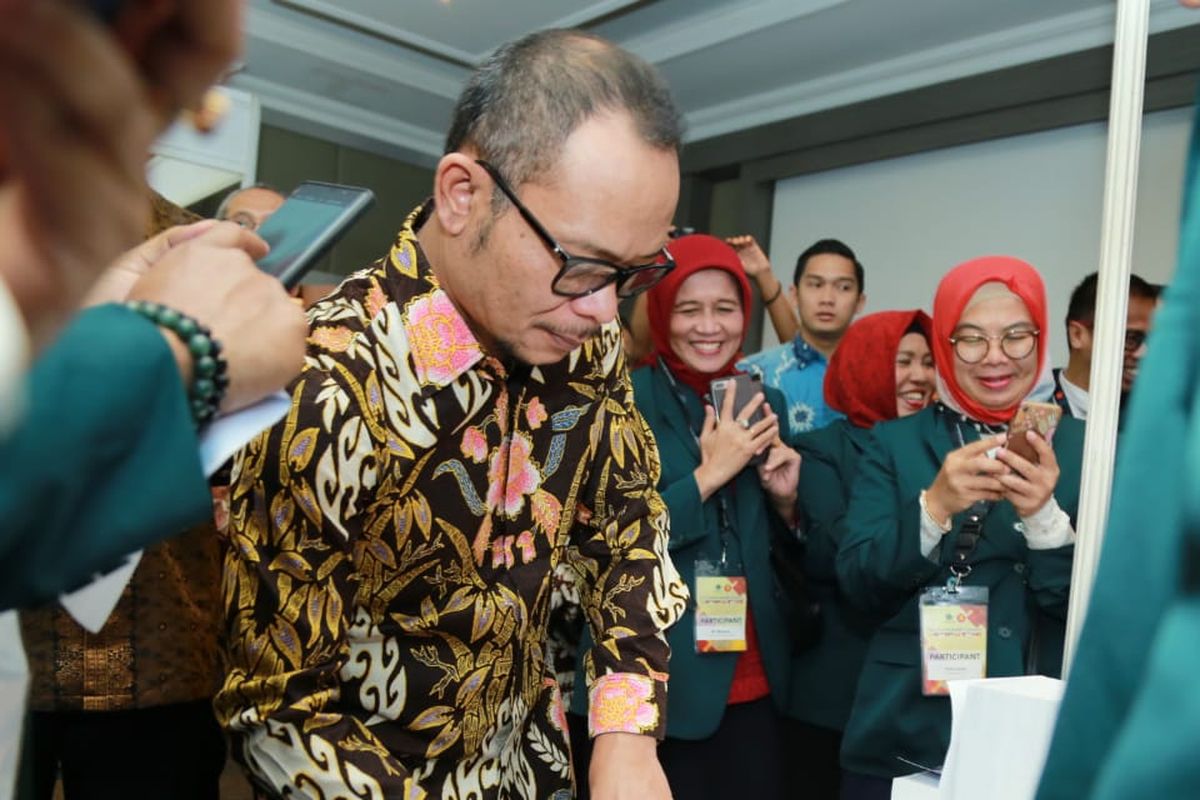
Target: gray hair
pixel 519 108
pixel 223 209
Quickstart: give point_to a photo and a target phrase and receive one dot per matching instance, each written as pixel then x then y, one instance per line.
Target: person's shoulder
pixel 904 431
pixel 764 359
pixel 824 442
pixel 642 379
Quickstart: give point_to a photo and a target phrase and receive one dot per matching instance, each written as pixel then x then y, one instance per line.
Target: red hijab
pixel 860 380
pixel 692 254
pixel 954 292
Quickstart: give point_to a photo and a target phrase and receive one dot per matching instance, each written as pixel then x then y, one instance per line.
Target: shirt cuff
pixel 931 531
pixel 931 534
pixel 622 702
pixel 14 360
pixel 1048 528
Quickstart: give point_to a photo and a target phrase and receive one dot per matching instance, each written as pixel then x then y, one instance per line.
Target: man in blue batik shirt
pixel 827 290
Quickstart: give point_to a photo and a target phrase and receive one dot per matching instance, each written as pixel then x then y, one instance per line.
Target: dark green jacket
pixel 824 676
pixel 882 571
pixel 699 683
pixel 104 461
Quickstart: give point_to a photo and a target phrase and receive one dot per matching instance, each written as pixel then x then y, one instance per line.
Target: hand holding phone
pixel 1041 418
pixel 744 388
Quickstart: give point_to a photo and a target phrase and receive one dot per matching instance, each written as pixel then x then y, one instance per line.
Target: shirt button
pixel 1019 527
pixel 1019 568
pixel 1004 632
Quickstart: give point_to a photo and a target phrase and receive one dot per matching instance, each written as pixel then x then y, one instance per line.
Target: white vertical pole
pixel 1112 297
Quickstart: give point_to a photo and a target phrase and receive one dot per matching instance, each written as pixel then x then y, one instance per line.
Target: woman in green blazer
pixel 937 496
pixel 723 705
pixel 882 369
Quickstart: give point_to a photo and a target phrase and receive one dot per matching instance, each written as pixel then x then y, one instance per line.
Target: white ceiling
pixel 384 74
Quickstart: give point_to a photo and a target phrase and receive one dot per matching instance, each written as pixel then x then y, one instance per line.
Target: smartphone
pixel 1041 418
pixel 308 223
pixel 744 388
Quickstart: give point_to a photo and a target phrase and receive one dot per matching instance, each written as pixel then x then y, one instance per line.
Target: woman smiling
pixel 952 540
pixel 882 370
pixel 728 681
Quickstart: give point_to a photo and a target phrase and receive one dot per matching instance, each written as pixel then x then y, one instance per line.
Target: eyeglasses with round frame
pixel 580 276
pixel 971 348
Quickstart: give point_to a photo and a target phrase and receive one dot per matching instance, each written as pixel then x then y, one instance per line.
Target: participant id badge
pixel 953 636
pixel 720 610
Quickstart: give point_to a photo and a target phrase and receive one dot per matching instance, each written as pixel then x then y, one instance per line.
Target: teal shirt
pixel 699 683
pixel 104 462
pixel 881 571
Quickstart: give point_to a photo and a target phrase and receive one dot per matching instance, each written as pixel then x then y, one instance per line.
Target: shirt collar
pixel 805 353
pixel 442 345
pixel 1077 397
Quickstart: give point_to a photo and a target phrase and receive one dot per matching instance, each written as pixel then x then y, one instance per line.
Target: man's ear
pixel 1078 336
pixel 793 294
pixel 862 301
pixel 456 190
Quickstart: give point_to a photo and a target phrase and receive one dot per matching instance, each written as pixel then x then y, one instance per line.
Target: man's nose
pixel 599 307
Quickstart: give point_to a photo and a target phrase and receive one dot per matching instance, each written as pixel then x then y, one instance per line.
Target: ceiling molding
pixel 342 122
pixel 305 37
pixel 334 12
pixel 699 31
pixel 1033 42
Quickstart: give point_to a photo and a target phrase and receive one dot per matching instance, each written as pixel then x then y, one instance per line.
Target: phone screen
pixel 307 225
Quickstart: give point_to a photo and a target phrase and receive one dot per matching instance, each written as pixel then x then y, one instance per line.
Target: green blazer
pixel 104 461
pixel 699 683
pixel 824 676
pixel 881 570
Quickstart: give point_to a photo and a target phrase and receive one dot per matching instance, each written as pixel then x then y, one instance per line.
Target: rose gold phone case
pixel 1042 418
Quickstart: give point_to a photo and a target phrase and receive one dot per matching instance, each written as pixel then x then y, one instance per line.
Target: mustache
pixel 581 334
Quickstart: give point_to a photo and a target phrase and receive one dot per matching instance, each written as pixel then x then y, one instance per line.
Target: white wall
pixel 1036 196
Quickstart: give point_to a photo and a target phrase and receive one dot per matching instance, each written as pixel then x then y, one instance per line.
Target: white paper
pixel 92 605
pixel 999 737
pixel 14 686
pixel 226 435
pixel 921 786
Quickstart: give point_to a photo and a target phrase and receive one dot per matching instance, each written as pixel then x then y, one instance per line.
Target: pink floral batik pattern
pixel 512 475
pixel 474 445
pixel 442 345
pixel 622 702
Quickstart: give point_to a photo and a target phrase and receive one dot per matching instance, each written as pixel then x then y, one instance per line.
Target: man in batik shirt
pixel 465 424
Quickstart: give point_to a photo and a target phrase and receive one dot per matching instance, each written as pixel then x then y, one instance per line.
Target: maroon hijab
pixel 860 381
pixel 692 254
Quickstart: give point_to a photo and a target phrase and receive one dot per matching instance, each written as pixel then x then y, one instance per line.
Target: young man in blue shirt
pixel 827 291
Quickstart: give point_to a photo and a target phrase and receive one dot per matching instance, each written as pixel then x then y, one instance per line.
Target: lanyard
pixel 724 516
pixel 971 531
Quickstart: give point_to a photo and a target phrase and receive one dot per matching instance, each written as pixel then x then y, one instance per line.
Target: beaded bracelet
pixel 209 368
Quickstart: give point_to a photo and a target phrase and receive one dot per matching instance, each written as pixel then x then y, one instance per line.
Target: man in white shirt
pixel 1072 382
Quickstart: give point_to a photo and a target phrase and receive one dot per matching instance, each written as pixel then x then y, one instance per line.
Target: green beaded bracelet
pixel 209 378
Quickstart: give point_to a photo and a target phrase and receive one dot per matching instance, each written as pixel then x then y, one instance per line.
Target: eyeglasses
pixel 579 275
pixel 971 348
pixel 1134 341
